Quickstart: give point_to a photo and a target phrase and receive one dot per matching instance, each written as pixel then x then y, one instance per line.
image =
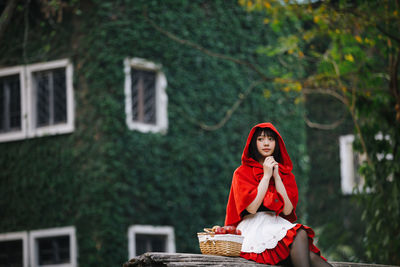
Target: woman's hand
pixel 268 166
pixel 276 170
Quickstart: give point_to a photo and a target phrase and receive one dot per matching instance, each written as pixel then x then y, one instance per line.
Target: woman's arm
pixel 262 186
pixel 280 187
pixel 261 191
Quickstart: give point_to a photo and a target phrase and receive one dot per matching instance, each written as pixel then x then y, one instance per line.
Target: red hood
pixel 285 165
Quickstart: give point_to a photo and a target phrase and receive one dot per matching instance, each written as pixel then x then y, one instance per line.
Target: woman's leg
pixel 299 251
pixel 317 261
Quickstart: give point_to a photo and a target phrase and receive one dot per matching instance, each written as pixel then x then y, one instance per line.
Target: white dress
pixel 262 231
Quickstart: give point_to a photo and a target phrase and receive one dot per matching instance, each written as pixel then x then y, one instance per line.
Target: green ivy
pixel 103 178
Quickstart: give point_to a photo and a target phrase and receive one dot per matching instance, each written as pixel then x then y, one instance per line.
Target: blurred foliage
pixel 336 217
pixel 103 178
pixel 350 51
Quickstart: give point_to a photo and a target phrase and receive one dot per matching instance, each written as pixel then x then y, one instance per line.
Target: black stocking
pixel 299 252
pixel 317 261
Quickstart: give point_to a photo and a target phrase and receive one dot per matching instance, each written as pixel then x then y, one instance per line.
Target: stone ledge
pixel 185 259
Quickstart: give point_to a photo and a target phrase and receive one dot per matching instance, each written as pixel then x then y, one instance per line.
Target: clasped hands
pixel 271 167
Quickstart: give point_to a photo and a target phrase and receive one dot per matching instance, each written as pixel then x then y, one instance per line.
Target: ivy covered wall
pixel 102 178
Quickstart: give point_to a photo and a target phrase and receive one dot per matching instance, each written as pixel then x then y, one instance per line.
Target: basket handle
pixel 208 230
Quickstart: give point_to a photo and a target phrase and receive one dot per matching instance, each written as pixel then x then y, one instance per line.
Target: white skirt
pixel 262 231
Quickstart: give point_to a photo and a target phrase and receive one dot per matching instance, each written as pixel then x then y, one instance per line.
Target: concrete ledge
pixel 185 259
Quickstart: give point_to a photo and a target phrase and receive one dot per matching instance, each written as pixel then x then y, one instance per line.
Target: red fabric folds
pixel 281 251
pixel 247 177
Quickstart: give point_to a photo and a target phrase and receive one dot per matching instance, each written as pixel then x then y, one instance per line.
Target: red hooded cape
pixel 247 177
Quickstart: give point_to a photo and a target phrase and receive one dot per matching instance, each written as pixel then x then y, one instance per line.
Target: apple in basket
pixel 219 230
pixel 230 229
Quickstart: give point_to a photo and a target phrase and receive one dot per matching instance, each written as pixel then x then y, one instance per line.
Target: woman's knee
pixel 316 260
pixel 301 239
pixel 302 234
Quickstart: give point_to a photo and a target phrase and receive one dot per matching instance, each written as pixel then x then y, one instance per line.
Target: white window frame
pixel 347 168
pixel 28 124
pixel 67 127
pixel 161 100
pixel 21 134
pixel 168 231
pixel 53 232
pixel 18 236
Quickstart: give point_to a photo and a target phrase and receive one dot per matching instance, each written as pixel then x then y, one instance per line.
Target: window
pixel 147 238
pixel 53 247
pixel 12 104
pixel 40 106
pixel 350 162
pixel 50 93
pixel 50 98
pixel 145 96
pixel 14 249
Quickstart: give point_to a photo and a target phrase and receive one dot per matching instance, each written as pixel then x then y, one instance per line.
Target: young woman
pixel 262 204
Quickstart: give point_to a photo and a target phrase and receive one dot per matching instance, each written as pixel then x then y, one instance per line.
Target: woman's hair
pixel 253 151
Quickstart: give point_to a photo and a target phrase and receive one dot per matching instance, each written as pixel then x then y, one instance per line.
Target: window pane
pixel 41 81
pixel 60 96
pixel 10 103
pixel 15 104
pixel 53 250
pixel 150 243
pixel 141 245
pixel 149 80
pixel 158 243
pixel 135 76
pixel 51 97
pixel 143 95
pixel 11 253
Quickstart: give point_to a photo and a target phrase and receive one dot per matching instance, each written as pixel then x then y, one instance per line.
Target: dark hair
pixel 253 151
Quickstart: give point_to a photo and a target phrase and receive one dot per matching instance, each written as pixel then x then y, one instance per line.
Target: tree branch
pixel 394 84
pixel 205 50
pixel 367 19
pixel 6 16
pixel 391 36
pixel 26 30
pixel 330 92
pixel 337 123
pixel 320 126
pixel 228 113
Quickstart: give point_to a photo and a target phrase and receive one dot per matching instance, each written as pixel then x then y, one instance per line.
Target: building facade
pixel 114 135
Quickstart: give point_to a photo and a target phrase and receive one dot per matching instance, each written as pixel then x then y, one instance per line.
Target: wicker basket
pixel 223 244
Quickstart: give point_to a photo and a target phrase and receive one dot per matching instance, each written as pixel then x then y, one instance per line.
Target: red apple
pixel 238 232
pixel 230 229
pixel 219 230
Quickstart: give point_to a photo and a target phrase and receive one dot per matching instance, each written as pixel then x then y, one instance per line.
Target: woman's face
pixel 265 145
